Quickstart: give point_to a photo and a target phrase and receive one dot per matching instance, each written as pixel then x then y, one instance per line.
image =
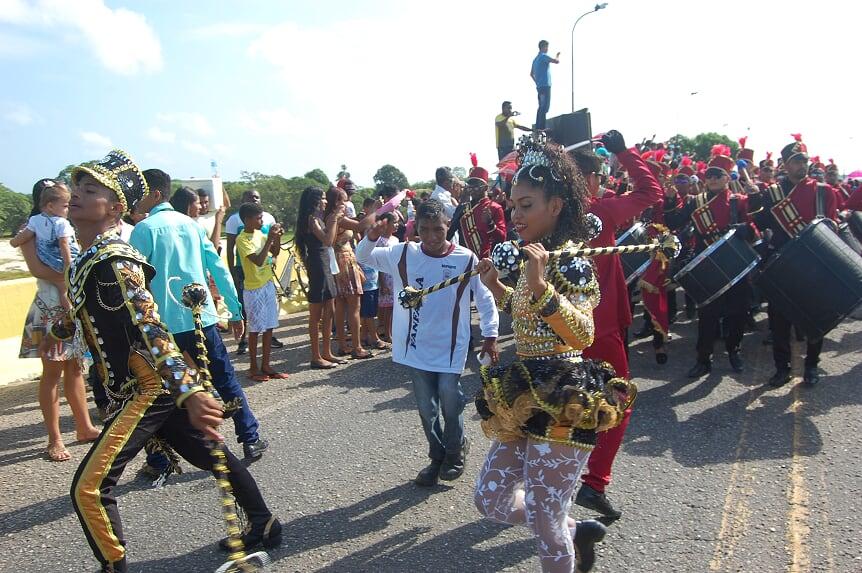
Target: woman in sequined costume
pixel 543 411
pixel 153 392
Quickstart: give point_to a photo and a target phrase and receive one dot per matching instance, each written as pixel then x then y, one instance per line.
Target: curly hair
pixel 558 176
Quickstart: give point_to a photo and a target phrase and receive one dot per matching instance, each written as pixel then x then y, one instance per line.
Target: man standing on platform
pixel 541 74
pixel 505 130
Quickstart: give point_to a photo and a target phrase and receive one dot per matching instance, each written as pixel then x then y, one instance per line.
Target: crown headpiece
pixel 531 154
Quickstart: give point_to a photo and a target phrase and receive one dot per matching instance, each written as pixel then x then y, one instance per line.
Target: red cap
pixel 723 162
pixel 744 152
pixel 345 183
pixel 768 162
pixel 478 173
pixel 831 166
pixel 685 166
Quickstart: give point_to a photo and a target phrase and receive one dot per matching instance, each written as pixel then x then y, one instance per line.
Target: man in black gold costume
pixel 152 391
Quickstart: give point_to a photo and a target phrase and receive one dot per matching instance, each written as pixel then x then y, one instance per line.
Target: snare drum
pixel 634 264
pixel 717 268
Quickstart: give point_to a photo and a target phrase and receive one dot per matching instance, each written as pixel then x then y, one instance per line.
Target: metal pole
pixel 572 53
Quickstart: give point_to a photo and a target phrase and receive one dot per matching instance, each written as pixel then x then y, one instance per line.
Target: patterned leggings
pixel 531 482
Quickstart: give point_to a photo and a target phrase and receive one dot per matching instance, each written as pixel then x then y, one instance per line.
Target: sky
pixel 286 87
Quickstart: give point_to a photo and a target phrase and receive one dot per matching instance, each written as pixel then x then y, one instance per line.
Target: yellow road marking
pixel 736 512
pixel 797 496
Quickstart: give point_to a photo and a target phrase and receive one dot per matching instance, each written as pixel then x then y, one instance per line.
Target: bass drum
pixel 815 280
pixel 849 237
pixel 634 264
pixel 717 268
pixel 854 221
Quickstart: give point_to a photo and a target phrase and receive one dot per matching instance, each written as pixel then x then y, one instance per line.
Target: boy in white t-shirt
pixel 55 238
pixel 434 339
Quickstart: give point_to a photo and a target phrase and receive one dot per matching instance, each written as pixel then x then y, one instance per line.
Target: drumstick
pixel 410 297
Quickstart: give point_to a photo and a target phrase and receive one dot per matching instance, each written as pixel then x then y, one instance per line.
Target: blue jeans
pixel 436 391
pixel 544 106
pixel 224 379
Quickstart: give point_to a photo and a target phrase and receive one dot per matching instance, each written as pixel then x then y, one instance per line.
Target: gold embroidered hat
pixel 118 173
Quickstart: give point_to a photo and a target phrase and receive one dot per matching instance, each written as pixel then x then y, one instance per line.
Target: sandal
pixel 258 377
pixel 57 453
pixel 380 345
pixel 276 375
pixel 336 360
pixel 363 356
pixel 324 366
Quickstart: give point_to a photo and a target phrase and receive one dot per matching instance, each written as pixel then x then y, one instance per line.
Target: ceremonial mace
pixel 507 257
pixel 195 297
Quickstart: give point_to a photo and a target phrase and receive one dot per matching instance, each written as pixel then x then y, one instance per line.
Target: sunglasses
pixel 716 174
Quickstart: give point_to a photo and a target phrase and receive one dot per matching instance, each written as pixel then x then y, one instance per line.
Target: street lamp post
pixel 598 7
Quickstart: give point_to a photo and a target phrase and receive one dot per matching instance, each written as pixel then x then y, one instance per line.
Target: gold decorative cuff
pixel 506 300
pixel 549 294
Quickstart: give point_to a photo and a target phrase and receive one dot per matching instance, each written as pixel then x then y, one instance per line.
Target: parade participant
pixel 505 126
pixel 789 206
pixel 833 179
pixel 766 172
pixel 445 191
pixel 481 222
pixel 683 186
pixel 153 392
pixel 652 283
pixel 713 213
pixel 543 411
pixel 613 315
pixel 432 339
pixel 540 71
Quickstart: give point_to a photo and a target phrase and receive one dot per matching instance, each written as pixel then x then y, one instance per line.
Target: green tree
pixel 391 175
pixel 430 184
pixel 343 173
pixel 703 142
pixel 278 195
pixel 14 210
pixel 319 176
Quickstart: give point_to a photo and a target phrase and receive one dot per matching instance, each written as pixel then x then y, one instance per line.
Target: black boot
pixel 453 463
pixel 428 476
pixel 597 501
pixel 699 369
pixel 645 332
pixel 587 533
pixel 266 533
pixel 735 361
pixel 115 567
pixel 780 378
pixel 811 376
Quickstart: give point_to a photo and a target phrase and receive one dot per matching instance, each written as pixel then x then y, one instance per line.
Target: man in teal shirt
pixel 180 252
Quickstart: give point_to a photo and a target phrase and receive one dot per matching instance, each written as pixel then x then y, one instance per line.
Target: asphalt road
pixel 720 474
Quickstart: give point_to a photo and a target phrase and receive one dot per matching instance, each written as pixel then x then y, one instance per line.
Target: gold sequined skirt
pixel 558 400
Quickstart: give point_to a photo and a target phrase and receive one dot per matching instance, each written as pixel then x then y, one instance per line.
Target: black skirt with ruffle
pixel 555 400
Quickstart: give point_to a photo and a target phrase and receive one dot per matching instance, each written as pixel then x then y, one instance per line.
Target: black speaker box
pixel 570 128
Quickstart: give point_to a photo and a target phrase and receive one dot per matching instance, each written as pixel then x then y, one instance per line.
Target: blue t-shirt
pixel 542 71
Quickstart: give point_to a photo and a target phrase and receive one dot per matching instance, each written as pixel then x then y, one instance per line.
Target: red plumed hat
pixel 768 162
pixel 832 166
pixel 477 172
pixel 685 166
pixel 721 158
pixel 744 152
pixel 791 150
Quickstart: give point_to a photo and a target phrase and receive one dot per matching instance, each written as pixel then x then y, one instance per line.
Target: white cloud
pixel 121 39
pixel 20 114
pixel 161 136
pixel 221 30
pixel 278 121
pixel 96 141
pixel 158 158
pixel 192 122
pixel 198 148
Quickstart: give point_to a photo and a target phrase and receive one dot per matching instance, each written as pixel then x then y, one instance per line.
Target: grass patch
pixel 14 274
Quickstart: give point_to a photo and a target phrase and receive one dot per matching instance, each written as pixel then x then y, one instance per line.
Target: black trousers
pixel 733 306
pixel 142 417
pixel 781 331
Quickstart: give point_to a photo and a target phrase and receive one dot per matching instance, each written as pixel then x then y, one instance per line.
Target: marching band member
pixel 712 214
pixel 789 206
pixel 613 315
